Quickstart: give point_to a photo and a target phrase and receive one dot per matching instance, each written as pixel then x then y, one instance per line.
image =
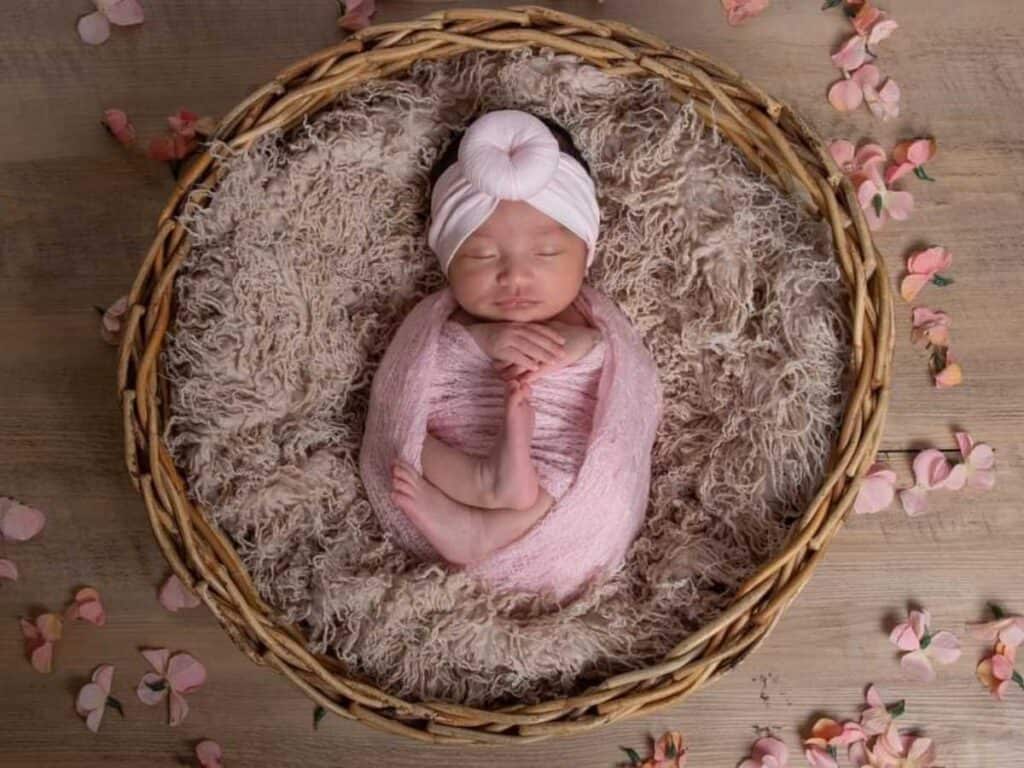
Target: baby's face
pixel 518 266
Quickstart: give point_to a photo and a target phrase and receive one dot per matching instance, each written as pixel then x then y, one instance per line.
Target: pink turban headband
pixel 510 155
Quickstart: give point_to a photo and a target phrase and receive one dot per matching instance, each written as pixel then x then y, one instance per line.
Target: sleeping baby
pixel 518 357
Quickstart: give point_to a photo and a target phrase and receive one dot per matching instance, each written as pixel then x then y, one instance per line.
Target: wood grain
pixel 76 211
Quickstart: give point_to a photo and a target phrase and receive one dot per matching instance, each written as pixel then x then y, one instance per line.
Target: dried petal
pixel 358 13
pixel 852 55
pixel 917 666
pixel 8 570
pixel 120 127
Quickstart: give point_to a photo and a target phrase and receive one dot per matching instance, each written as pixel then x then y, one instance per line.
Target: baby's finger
pixel 547 331
pixel 537 336
pixel 536 351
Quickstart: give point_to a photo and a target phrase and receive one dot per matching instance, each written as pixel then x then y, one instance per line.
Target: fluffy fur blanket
pixel 312 252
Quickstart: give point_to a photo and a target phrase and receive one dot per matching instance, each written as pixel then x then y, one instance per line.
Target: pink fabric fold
pixel 599 473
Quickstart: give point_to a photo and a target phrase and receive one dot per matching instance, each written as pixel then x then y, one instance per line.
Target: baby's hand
pixel 579 340
pixel 529 345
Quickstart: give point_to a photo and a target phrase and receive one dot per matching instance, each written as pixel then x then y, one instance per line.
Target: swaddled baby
pixel 515 368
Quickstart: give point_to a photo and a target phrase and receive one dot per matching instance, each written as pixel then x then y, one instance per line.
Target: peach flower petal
pixel 8 570
pixel 917 666
pixel 912 285
pixel 852 54
pixel 944 647
pixel 157 658
pixel 358 13
pixel 152 689
pixel 178 709
pixel 116 121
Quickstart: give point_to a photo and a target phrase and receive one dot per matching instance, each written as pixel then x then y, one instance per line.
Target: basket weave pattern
pixel 775 141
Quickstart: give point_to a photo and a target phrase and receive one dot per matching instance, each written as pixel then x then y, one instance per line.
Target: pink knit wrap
pixel 597 513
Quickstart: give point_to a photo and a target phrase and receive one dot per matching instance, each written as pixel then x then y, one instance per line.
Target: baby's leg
pixel 462 534
pixel 504 479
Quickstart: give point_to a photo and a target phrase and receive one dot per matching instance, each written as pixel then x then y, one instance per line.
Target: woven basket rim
pixel 773 139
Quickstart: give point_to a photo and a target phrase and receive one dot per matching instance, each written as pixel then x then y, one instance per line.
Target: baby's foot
pixel 453 529
pixel 509 473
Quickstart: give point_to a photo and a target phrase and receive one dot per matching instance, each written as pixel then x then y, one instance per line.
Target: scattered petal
pixel 845 95
pixel 185 673
pixel 174 595
pixel 152 689
pixel 121 12
pixel 19 522
pixel 92 697
pixel 111 325
pixel 88 607
pixel 917 666
pixel 944 647
pixel 876 491
pixel 116 121
pixel 8 570
pixel 94 28
pixel 852 55
pixel 358 13
pixel 209 754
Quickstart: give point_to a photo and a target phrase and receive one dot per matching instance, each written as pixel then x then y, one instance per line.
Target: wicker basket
pixel 773 138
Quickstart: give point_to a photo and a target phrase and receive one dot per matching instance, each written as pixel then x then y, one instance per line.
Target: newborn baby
pixel 516 273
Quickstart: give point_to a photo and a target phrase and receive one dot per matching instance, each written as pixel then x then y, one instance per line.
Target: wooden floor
pixel 76 213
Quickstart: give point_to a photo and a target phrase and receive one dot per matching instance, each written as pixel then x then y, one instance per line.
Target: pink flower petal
pixel 866 192
pixel 870 155
pixel 982 456
pixel 90 696
pixel 178 709
pixel 769 747
pixel 950 376
pixel 29 629
pixel 116 121
pixel 50 627
pixel 121 12
pixel 92 611
pixel 920 621
pixel 897 171
pixel 880 31
pixel 852 55
pixel 944 648
pixel 819 758
pixel 930 468
pixel 174 595
pixel 982 479
pixel 867 76
pixel 904 637
pixel 846 95
pixel 358 13
pixel 8 570
pixel 94 28
pixel 842 152
pixel 930 261
pixel 916 152
pixel 912 285
pixel 1002 667
pixel 157 658
pixel 873 697
pixel 866 17
pixel 185 673
pixel 19 522
pixel 93 719
pixel 876 493
pixel 917 666
pixel 209 754
pixel 146 693
pixel 103 676
pixel 914 501
pixel 899 205
pixel 858 755
pixel 956 479
pixel 921 752
pixel 42 657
